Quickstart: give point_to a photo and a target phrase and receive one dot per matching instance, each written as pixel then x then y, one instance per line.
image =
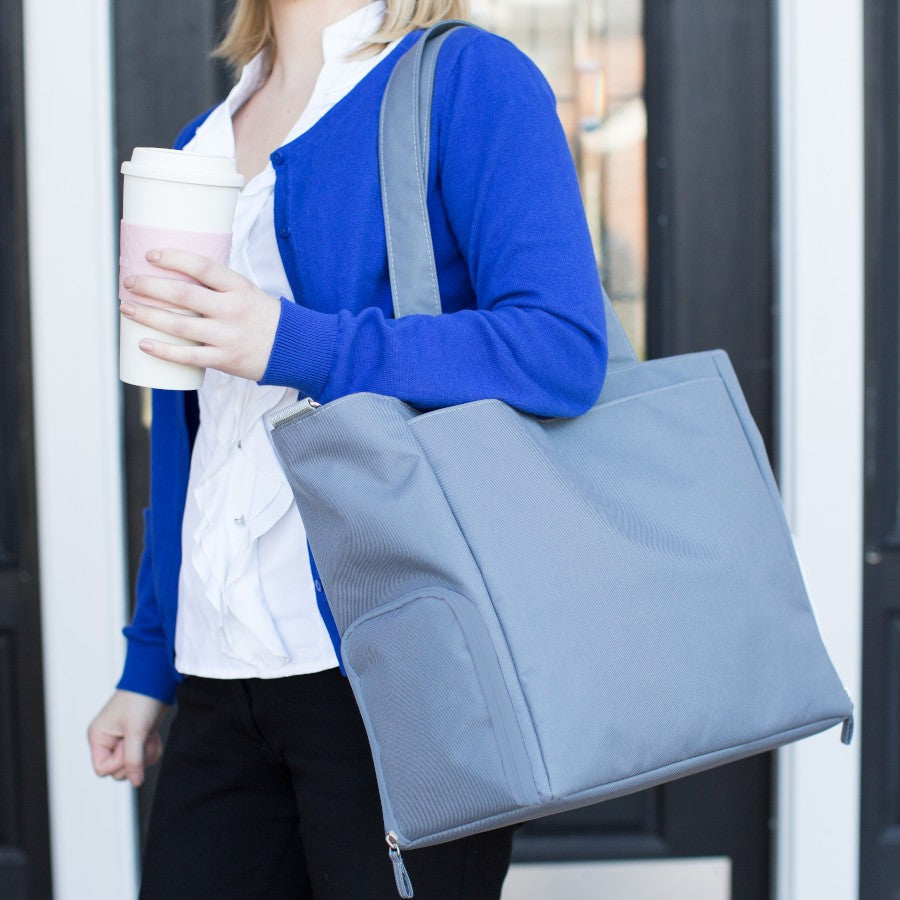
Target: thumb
pixel 106 754
pixel 134 757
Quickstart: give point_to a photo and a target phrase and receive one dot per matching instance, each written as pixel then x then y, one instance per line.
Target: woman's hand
pixel 124 738
pixel 236 322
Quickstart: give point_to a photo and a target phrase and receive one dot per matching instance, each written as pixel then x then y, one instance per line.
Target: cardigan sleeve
pixel 149 668
pixel 537 337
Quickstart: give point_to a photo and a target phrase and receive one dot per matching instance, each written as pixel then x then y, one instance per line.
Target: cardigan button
pixel 278 158
pixel 284 232
pixel 318 585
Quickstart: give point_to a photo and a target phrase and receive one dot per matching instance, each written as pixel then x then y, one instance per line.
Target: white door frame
pixel 78 443
pixel 819 91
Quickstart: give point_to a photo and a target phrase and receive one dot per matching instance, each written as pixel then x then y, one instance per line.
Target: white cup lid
pixel 179 165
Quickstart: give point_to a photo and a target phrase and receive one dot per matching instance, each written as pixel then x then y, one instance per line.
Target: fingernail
pixel 127 309
pixel 153 255
pixel 129 282
pixel 146 345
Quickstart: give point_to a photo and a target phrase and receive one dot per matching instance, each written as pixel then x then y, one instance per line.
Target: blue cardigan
pixel 515 265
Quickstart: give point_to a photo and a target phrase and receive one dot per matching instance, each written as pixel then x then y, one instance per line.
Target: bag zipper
pixel 295 411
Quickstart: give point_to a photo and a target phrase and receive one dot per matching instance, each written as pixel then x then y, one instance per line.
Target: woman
pixel 267 787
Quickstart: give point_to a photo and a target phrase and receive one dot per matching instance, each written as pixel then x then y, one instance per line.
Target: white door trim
pixel 819 89
pixel 78 458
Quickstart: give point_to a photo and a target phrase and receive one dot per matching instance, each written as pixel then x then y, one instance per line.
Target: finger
pixel 176 324
pixel 101 754
pixel 202 268
pixel 102 743
pixel 167 292
pixel 188 355
pixel 112 762
pixel 134 758
pixel 119 775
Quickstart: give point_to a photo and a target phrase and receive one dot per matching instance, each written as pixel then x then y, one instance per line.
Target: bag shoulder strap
pixel 404 129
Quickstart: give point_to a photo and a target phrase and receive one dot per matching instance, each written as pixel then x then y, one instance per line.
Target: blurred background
pixel 738 161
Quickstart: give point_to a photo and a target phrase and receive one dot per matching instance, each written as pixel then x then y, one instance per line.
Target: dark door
pixel 164 78
pixel 708 81
pixel 708 284
pixel 24 835
pixel 880 788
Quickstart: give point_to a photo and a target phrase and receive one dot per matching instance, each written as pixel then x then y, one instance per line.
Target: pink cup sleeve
pixel 136 240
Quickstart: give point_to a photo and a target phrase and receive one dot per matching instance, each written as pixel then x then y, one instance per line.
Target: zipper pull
pixel 401 876
pixel 847 730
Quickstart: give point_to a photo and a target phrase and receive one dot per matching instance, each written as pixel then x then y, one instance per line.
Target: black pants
pixel 267 790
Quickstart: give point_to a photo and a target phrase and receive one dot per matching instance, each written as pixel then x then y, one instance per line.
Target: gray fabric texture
pixel 541 614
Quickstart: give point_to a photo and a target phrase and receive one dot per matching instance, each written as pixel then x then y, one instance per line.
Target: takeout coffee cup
pixel 171 199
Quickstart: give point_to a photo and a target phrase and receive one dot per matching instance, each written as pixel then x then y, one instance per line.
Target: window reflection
pixel 592 53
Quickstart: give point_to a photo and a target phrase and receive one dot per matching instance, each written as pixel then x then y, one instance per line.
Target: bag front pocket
pixel 447 745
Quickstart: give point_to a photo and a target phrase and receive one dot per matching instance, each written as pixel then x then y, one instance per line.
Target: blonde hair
pixel 250 27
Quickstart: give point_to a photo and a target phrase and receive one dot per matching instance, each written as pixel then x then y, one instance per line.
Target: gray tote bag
pixel 539 614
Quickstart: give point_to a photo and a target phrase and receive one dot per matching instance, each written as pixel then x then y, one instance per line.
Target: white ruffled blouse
pixel 246 602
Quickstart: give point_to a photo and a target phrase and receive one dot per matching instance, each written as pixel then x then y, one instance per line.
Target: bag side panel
pixel 378 524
